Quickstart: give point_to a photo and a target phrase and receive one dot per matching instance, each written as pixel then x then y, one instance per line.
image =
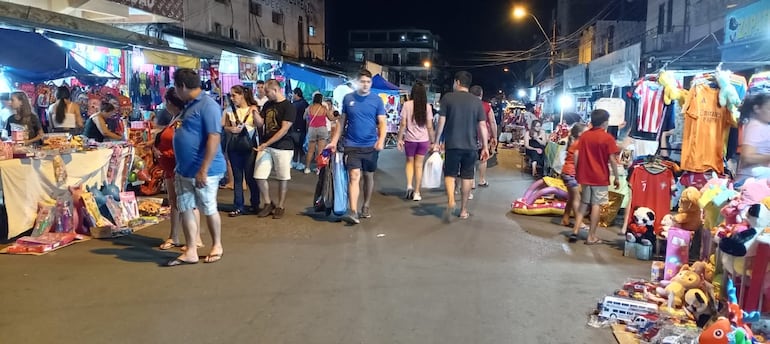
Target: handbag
pixel 239 142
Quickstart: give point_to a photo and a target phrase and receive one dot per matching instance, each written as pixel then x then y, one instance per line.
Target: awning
pixel 163 58
pixel 323 82
pixel 380 83
pixel 30 57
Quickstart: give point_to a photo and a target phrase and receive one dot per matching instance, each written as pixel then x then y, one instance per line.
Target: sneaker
pixel 417 197
pixel 351 218
pixel 470 196
pixel 267 210
pixel 278 213
pixel 307 171
pixel 365 214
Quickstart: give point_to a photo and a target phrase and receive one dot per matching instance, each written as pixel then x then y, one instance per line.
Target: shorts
pixel 595 195
pixel 273 160
pixel 460 162
pixel 361 158
pixel 189 197
pixel 569 181
pixel 316 134
pixel 416 148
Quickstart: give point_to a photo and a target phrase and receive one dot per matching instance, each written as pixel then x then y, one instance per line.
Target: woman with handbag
pixel 164 150
pixel 239 136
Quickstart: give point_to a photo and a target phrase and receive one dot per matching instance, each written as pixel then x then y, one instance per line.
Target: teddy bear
pixel 728 95
pixel 688 216
pixel 671 89
pixel 683 281
pixel 705 269
pixel 641 229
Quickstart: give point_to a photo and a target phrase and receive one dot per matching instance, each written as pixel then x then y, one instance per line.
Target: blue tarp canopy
pixel 380 83
pixel 317 79
pixel 31 57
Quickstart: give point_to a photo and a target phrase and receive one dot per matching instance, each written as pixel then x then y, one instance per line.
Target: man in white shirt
pixel 261 94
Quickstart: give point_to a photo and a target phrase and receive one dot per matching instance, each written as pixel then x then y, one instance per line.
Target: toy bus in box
pixel 624 309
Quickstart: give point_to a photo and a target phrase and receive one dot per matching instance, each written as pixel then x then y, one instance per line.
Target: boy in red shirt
pixel 596 148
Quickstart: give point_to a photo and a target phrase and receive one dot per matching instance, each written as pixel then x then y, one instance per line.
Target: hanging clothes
pixel 651 188
pixel 649 117
pixel 705 130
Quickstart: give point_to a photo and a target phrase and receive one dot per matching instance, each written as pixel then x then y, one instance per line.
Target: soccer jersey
pixel 652 191
pixel 650 115
pixel 705 129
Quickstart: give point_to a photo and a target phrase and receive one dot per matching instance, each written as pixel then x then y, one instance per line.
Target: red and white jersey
pixel 650 117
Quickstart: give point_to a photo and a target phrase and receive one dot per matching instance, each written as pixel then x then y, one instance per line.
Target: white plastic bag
pixel 432 173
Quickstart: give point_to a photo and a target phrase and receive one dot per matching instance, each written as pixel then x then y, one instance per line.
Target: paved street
pixel 400 277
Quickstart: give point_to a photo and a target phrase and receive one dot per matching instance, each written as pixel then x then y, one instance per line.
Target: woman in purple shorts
pixel 415 137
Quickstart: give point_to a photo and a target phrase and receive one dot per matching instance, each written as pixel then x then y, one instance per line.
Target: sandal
pixel 235 213
pixel 484 184
pixel 213 258
pixel 464 216
pixel 169 244
pixel 597 242
pixel 178 262
pixel 572 238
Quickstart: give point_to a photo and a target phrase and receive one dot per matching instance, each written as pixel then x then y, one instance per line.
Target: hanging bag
pixel 340 175
pixel 239 142
pixel 431 176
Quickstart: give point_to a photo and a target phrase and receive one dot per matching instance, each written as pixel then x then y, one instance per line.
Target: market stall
pixel 390 95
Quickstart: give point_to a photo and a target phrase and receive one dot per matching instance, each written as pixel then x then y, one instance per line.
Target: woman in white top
pixel 240 122
pixel 64 115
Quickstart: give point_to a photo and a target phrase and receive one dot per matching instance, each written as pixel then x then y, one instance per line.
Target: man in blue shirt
pixel 200 165
pixel 365 123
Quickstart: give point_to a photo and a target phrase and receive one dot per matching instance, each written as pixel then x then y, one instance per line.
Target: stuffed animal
pixel 671 89
pixel 705 269
pixel 689 215
pixel 753 191
pixel 698 305
pixel 642 227
pixel 734 327
pixel 742 246
pixel 684 280
pixel 728 95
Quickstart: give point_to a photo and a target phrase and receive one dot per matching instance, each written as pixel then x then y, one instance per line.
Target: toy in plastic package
pixel 44 220
pixel 59 170
pixel 116 210
pixel 128 199
pixel 92 211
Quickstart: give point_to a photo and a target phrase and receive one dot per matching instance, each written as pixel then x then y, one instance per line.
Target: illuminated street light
pixel 426 64
pixel 506 69
pixel 519 13
pixel 565 101
pixel 522 93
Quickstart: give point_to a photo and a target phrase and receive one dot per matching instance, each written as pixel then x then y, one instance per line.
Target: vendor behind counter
pixel 24 120
pixel 96 126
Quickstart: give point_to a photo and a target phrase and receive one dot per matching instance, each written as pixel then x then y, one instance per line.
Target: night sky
pixel 463 26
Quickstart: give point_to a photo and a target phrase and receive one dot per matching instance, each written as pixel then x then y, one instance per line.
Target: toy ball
pixel 132 177
pixel 143 176
pixel 139 164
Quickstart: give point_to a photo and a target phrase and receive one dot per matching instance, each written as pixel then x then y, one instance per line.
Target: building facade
pixel 605 37
pixel 291 28
pixel 409 55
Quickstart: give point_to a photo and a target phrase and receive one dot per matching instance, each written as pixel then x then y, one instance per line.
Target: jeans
pixel 243 167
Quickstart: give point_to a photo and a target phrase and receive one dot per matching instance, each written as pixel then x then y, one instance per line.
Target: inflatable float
pixel 546 196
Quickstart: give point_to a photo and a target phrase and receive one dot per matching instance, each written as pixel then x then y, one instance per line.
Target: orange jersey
pixel 705 131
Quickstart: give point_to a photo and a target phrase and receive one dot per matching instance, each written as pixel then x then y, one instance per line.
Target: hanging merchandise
pixel 651 186
pixel 705 127
pixel 616 107
pixel 650 115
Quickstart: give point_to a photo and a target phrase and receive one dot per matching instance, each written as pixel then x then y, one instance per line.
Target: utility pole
pixel 553 47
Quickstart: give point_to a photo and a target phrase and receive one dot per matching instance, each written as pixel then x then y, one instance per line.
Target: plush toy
pixel 740 248
pixel 111 190
pixel 671 89
pixel 684 280
pixel 698 306
pixel 728 95
pixel 705 269
pixel 734 327
pixel 642 227
pixel 689 215
pixel 753 191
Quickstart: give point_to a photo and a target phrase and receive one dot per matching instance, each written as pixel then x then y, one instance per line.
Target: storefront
pixel 577 89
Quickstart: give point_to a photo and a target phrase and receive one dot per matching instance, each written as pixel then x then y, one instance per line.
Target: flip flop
pixel 484 184
pixel 572 238
pixel 168 244
pixel 597 242
pixel 178 262
pixel 464 216
pixel 213 258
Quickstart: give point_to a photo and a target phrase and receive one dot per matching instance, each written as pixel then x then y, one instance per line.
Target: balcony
pixel 655 42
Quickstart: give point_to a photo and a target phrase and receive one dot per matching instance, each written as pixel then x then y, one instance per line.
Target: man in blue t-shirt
pixel 365 123
pixel 200 165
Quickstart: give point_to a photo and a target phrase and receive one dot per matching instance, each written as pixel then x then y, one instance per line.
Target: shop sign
pixel 618 68
pixel 748 22
pixel 173 9
pixel 575 77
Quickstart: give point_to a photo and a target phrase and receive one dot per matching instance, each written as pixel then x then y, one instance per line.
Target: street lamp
pixel 522 93
pixel 519 13
pixel 427 64
pixel 565 101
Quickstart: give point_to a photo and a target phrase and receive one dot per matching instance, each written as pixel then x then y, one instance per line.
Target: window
pixel 396 59
pixel 413 58
pixel 610 39
pixel 278 18
pixel 661 17
pixel 359 56
pixel 378 36
pixel 311 31
pixel 359 37
pixel 670 19
pixel 255 8
pixel 394 36
pixel 217 28
pixel 378 58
